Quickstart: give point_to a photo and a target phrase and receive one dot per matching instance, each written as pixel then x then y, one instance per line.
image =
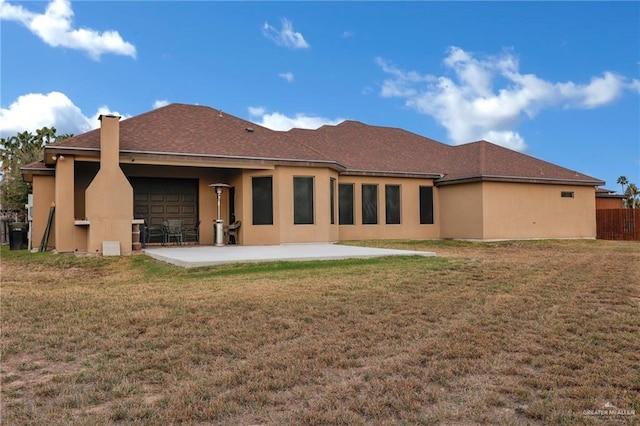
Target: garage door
pixel 157 200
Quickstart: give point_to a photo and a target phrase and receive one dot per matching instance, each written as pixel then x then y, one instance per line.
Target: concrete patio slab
pixel 194 256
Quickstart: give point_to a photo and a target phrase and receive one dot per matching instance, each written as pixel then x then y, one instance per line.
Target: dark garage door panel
pixel 159 199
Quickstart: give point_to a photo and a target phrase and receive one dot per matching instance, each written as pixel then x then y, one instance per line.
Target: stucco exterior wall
pixel 258 234
pixel 65 207
pixel 44 195
pixel 520 210
pixel 109 196
pixel 461 211
pixel 409 227
pixel 321 230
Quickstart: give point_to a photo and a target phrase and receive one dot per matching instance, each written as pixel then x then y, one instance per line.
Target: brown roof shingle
pixel 361 148
pixel 486 160
pixel 199 130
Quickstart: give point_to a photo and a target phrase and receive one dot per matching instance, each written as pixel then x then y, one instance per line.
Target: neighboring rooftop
pixel 353 147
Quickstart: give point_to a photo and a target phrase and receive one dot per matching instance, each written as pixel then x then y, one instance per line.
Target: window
pixel 303 200
pixel 426 205
pixel 262 200
pixel 345 204
pixel 566 194
pixel 332 201
pixel 392 204
pixel 369 204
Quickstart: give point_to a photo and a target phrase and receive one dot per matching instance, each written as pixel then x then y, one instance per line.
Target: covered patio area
pixel 195 256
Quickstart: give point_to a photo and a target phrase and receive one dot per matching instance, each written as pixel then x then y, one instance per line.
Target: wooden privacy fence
pixel 618 224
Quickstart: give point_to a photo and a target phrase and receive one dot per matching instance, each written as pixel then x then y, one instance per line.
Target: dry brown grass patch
pixel 506 333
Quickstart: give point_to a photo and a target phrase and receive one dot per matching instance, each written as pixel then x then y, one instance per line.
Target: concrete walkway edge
pixel 196 256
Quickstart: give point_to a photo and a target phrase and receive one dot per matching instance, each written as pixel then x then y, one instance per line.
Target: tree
pixel 622 180
pixel 632 195
pixel 15 152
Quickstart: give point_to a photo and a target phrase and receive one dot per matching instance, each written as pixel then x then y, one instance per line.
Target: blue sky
pixel 555 80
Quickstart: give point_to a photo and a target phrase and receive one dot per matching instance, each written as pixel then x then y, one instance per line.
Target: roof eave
pixel 176 157
pixel 28 172
pixel 385 173
pixel 518 179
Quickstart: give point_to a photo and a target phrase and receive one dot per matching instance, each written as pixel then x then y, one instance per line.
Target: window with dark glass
pixel 426 205
pixel 303 200
pixel 392 204
pixel 332 201
pixel 566 194
pixel 345 204
pixel 262 200
pixel 369 204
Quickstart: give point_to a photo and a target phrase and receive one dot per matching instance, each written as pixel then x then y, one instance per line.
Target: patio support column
pixel 64 199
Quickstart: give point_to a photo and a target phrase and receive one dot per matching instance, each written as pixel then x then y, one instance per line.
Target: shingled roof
pixel 484 160
pixel 196 130
pixel 353 147
pixel 377 150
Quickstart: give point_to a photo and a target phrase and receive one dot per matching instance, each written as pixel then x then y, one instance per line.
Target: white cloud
pixel 506 138
pixel 257 111
pixel 36 110
pixel 278 121
pixel 286 36
pixel 470 105
pixel 160 103
pixel 347 34
pixel 54 27
pixel 287 76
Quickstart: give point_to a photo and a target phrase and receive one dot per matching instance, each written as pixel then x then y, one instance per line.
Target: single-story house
pixel 351 181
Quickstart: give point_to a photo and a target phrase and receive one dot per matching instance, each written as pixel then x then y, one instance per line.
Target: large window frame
pixel 332 201
pixel 369 204
pixel 426 205
pixel 393 204
pixel 303 205
pixel 346 204
pixel 262 200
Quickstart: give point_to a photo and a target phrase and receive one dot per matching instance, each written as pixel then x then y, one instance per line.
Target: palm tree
pixel 622 180
pixel 631 193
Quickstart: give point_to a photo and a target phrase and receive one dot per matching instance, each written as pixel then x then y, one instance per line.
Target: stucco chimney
pixel 109 196
pixel 109 141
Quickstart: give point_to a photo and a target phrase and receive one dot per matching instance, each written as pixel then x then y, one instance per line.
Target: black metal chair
pixel 191 233
pixel 232 232
pixel 151 232
pixel 174 230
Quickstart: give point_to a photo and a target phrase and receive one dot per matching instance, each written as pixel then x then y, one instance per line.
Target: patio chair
pixel 174 230
pixel 151 232
pixel 191 233
pixel 232 232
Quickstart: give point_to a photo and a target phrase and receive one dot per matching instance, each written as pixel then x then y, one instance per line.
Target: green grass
pixel 529 332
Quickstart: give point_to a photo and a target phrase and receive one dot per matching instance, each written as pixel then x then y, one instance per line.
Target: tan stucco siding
pixel 520 210
pixel 409 227
pixel 44 195
pixel 461 211
pixel 258 234
pixel 65 205
pixel 321 230
pixel 109 196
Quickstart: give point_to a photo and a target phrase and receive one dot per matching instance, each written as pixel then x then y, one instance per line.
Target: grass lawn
pixel 540 332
